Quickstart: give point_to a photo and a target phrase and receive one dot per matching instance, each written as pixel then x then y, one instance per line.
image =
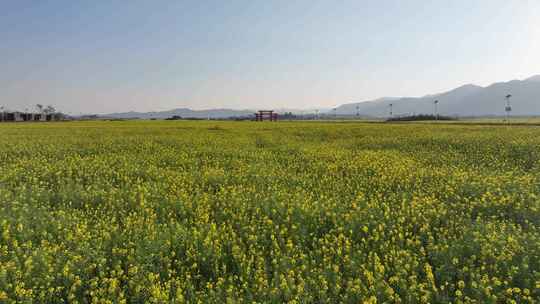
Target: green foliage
pixel 244 212
pixel 421 117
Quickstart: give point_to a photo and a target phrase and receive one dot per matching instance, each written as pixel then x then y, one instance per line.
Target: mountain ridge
pixel 182 112
pixel 465 100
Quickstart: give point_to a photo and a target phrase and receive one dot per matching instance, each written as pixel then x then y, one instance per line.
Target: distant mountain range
pixel 467 100
pixel 203 114
pixel 182 112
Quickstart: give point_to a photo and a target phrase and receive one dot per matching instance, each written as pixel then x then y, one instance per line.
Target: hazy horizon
pixel 100 57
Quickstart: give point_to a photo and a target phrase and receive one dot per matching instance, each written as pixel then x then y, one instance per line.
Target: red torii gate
pixel 266 114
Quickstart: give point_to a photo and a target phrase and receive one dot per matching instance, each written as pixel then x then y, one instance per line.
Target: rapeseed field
pixel 245 212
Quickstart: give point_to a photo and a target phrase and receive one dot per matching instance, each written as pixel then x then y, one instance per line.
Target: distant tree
pixel 288 115
pixel 49 110
pixel 39 108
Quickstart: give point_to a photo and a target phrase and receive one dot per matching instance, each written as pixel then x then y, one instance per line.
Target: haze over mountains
pixel 466 100
pixel 182 112
pixel 202 114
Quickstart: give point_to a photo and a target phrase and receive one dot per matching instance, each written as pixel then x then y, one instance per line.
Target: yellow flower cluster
pixel 244 212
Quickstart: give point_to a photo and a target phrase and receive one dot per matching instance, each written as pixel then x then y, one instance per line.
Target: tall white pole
pixel 508 108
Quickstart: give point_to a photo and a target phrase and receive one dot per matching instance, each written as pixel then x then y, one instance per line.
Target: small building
pixel 40 117
pixel 27 116
pixel 23 116
pixel 16 116
pixel 11 116
pixel 52 117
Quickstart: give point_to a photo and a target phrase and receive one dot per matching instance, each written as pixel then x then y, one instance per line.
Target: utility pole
pixel 391 113
pixel 357 111
pixel 435 103
pixel 508 108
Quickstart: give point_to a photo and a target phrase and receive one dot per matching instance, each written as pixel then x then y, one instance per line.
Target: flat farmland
pixel 286 212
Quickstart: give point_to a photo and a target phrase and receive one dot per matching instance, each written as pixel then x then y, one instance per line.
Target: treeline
pixel 421 117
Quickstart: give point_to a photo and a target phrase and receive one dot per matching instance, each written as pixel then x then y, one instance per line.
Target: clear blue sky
pixel 105 56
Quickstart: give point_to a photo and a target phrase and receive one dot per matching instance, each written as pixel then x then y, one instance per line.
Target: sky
pixel 116 56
